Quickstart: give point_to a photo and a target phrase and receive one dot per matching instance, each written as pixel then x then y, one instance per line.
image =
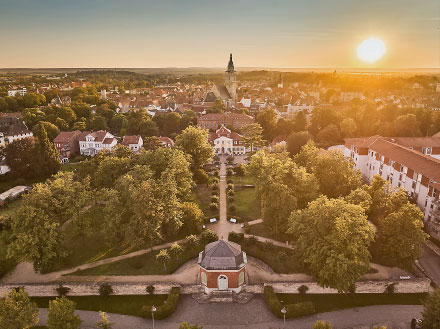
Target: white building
pixel 134 143
pixel 12 129
pixel 348 96
pixel 14 92
pixel 227 142
pixel 417 173
pixel 91 143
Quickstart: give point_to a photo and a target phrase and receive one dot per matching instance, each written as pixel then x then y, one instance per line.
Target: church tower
pixel 231 80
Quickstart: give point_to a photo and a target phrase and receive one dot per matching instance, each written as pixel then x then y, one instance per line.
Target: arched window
pixel 241 278
pixel 204 278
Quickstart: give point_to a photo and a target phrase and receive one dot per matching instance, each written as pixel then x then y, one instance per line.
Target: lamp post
pixel 284 311
pixel 153 309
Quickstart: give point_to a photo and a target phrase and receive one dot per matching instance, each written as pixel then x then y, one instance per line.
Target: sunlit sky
pixel 202 33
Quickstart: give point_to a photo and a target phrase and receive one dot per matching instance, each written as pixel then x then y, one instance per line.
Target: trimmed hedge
pixel 293 310
pixel 165 310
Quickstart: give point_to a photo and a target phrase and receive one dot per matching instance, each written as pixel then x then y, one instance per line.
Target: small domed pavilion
pixel 222 266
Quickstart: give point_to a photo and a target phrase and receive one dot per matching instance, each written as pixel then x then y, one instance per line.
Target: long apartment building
pixel 403 166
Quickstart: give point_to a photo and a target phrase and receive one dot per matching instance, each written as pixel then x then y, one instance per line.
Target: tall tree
pixel 296 141
pixel 48 157
pixel 17 311
pixel 252 135
pixel 431 311
pixel 331 237
pixel 194 141
pixel 348 127
pixel 20 158
pixel 268 121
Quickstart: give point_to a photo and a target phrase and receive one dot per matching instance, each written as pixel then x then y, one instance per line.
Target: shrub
pixel 239 170
pixel 302 289
pixel 214 187
pixel 268 246
pixel 214 198
pixel 208 236
pixel 166 309
pixel 150 289
pixel 215 180
pixel 231 199
pixel 231 193
pixel 229 181
pixel 252 240
pixel 229 172
pixel 192 241
pixel 62 291
pixel 247 228
pixel 230 187
pixel 105 290
pixel 390 288
pixel 235 237
pixel 325 325
pixel 213 206
pixel 292 310
pixel 214 192
pixel 216 172
pixel 232 208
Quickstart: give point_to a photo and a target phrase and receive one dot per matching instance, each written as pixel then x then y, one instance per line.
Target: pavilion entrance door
pixel 222 282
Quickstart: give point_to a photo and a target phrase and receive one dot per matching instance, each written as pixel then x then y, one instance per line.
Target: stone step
pixel 221 299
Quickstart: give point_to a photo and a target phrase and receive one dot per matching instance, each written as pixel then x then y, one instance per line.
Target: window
pixel 427 150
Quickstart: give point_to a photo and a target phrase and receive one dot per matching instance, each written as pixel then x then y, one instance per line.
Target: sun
pixel 371 50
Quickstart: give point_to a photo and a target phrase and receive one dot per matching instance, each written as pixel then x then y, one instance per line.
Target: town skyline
pixel 116 34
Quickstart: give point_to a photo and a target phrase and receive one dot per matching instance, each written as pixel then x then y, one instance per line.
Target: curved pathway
pixel 256 315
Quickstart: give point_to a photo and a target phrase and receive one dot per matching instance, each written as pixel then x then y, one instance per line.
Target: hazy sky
pixel 188 33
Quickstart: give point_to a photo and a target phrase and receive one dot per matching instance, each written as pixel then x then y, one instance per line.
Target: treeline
pixel 321 203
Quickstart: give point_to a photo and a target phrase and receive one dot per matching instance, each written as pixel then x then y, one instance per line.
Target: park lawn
pixel 127 305
pixel 70 166
pixel 261 230
pixel 334 302
pixel 141 265
pixel 242 180
pixel 246 204
pixel 287 264
pixel 202 196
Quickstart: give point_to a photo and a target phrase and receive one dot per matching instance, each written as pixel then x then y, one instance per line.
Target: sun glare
pixel 371 50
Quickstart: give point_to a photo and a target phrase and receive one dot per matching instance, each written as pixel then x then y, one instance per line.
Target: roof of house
pixel 166 140
pixel 223 91
pixel 67 136
pixel 11 126
pixel 222 255
pixel 98 135
pixel 417 141
pixel 127 140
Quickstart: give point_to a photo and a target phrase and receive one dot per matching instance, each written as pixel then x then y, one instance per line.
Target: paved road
pixel 430 262
pixel 256 315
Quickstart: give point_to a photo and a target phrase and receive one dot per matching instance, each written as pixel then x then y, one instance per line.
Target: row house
pixel 91 143
pixel 417 173
pixel 214 120
pixel 226 142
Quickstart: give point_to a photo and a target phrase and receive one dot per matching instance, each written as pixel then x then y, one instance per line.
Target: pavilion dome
pixel 222 255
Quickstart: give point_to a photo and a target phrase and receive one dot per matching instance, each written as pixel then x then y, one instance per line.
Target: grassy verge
pixel 280 259
pixel 334 302
pixel 261 230
pixel 202 196
pixel 242 180
pixel 246 204
pixel 128 305
pixel 141 265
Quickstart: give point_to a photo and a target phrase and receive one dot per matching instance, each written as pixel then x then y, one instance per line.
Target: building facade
pixel 225 141
pixel 417 173
pixel 12 129
pixel 91 143
pixel 213 121
pixel 134 143
pixel 222 266
pixel 67 144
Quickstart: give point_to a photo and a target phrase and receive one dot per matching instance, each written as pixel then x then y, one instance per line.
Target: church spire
pixel 230 65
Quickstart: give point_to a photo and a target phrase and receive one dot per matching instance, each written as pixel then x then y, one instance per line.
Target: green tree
pixel 400 237
pixel 176 250
pixel 329 135
pixel 104 322
pixel 268 121
pixel 252 135
pixel 33 100
pixel 186 325
pixel 51 129
pixel 296 141
pixel 98 123
pixel 431 311
pixel 163 257
pixel 348 127
pixel 194 141
pixel 61 314
pixel 192 218
pixel 47 154
pixel 331 237
pixel 3 105
pixel 407 126
pixel 17 311
pixel 20 158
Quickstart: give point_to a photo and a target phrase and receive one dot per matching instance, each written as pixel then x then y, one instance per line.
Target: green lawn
pixel 242 180
pixel 128 305
pixel 141 265
pixel 281 260
pixel 333 302
pixel 261 230
pixel 246 204
pixel 202 196
pixel 70 166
